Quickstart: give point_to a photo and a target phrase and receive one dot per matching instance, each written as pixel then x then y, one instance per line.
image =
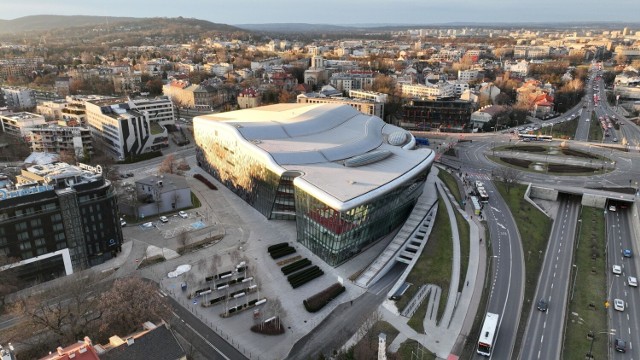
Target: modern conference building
pixel 346 178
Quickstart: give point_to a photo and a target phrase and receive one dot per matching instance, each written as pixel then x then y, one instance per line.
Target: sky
pixel 339 12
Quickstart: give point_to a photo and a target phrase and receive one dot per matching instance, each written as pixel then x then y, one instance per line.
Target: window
pixel 36 222
pixel 37 232
pixel 56 217
pixel 39 242
pixel 58 227
pixel 25 245
pixel 23 236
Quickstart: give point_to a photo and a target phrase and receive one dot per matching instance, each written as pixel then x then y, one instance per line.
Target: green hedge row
pixel 275 247
pixel 298 265
pixel 302 277
pixel 319 300
pixel 282 252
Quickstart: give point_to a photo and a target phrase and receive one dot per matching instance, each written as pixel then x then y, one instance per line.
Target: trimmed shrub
pixel 319 300
pixel 275 247
pixel 307 279
pixel 273 327
pixel 205 181
pixel 282 252
pixel 300 264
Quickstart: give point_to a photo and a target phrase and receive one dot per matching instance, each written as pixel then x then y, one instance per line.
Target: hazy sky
pixel 338 11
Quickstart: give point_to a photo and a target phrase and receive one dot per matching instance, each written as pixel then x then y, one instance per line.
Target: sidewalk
pixel 449 336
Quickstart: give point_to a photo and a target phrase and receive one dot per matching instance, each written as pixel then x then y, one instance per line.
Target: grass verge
pixel 367 347
pixel 411 349
pixel 451 183
pixel 465 244
pixel 534 228
pixel 433 266
pixel 590 288
pixel 565 130
pixel 469 349
pixel 595 131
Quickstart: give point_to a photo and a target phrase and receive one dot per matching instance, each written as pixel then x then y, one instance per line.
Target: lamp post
pixel 579 230
pixel 575 276
pixel 593 338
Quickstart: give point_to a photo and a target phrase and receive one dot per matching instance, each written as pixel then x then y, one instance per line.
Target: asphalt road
pixel 626 323
pixel 344 320
pixel 507 273
pixel 545 330
pixel 203 339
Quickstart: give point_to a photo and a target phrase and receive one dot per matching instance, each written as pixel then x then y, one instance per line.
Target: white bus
pixel 481 192
pixel 488 334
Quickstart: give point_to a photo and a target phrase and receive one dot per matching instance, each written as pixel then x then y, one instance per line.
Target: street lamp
pixel 593 338
pixel 579 230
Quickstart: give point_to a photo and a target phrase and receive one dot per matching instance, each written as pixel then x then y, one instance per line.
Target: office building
pixel 58 219
pixel 16 124
pixel 346 178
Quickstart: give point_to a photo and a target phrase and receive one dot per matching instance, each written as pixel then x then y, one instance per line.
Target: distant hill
pixel 295 27
pixel 40 23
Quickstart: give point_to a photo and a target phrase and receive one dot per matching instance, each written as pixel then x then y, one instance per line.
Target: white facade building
pixel 123 129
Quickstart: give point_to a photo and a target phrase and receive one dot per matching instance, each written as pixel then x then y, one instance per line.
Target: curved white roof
pixel 317 139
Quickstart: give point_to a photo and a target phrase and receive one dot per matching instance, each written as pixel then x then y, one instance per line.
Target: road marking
pixel 552 283
pixel 544 325
pixel 541 339
pixel 202 337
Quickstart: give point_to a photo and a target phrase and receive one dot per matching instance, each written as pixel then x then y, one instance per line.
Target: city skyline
pixel 340 13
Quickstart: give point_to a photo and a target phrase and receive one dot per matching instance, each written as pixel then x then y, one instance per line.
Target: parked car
pixel 612 208
pixel 183 214
pixel 632 281
pixel 164 219
pixel 122 222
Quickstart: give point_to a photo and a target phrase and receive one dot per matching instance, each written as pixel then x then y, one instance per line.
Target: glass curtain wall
pixel 337 236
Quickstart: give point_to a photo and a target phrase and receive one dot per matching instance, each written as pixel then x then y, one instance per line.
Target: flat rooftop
pixel 344 155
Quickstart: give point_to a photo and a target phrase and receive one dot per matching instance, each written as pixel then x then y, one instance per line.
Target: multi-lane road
pixel 543 336
pixel 626 323
pixel 506 286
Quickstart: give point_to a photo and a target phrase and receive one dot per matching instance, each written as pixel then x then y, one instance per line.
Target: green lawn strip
pixel 534 228
pixel 433 266
pixel 590 288
pixel 471 342
pixel 368 345
pixel 451 183
pixel 565 130
pixel 595 130
pixel 411 349
pixel 436 267
pixel 465 239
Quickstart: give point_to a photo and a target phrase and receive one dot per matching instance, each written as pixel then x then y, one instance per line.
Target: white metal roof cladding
pixel 316 139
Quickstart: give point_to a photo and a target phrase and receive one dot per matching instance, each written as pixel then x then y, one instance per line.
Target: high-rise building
pixel 58 219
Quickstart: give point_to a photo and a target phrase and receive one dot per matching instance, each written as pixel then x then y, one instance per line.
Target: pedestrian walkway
pixel 447 336
pixel 412 235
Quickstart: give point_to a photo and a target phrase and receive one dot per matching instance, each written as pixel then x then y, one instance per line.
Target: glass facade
pixel 335 236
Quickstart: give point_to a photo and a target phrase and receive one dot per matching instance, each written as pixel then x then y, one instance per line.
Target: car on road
pixel 147 225
pixel 612 208
pixel 617 269
pixel 618 304
pixel 632 281
pixel 122 222
pixel 164 219
pixel 542 305
pixel 615 139
pixel 183 214
pixel 620 345
pixel 627 253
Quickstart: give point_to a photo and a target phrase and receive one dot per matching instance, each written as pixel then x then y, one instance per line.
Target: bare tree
pixel 183 237
pixel 68 157
pixel 213 266
pixel 68 311
pixel 8 279
pixel 168 165
pixel 129 303
pixel 508 176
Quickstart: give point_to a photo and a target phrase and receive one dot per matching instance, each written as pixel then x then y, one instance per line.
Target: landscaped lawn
pixel 590 288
